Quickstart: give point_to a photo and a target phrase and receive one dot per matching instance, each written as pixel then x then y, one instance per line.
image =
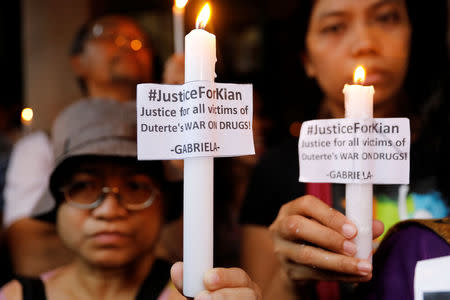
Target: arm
pixel 35 247
pixel 259 261
pixel 11 291
pixel 257 247
pixel 265 195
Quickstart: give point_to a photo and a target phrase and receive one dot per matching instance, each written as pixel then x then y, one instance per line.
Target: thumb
pixel 176 274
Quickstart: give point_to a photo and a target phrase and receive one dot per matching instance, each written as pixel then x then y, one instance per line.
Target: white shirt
pixel 27 178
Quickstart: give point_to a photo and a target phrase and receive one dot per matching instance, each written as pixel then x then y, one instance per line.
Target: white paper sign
pixel 199 118
pixel 432 279
pixel 355 151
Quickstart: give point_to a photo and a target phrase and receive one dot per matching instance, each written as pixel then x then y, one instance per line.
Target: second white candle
pixel 359 197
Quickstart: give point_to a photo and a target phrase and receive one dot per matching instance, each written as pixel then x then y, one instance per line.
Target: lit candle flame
pixel 27 114
pixel 181 3
pixel 203 16
pixel 359 76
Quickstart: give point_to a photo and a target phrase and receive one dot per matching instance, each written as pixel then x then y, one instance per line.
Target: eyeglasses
pixel 101 32
pixel 89 194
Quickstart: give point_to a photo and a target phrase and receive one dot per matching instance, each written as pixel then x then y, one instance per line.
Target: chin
pixel 128 73
pixel 112 258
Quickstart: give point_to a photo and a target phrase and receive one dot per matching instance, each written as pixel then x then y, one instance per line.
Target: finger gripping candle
pixel 359 197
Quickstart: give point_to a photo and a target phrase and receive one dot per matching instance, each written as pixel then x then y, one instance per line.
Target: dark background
pixel 255 44
pixel 11 64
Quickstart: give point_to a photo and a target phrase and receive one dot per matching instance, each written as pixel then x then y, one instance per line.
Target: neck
pixel 118 91
pixel 110 283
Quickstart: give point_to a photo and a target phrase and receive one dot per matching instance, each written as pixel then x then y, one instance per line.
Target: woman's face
pixel 116 52
pixel 346 33
pixel 109 235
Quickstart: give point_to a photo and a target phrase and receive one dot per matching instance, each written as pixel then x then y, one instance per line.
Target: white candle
pixel 359 197
pixel 200 59
pixel 178 25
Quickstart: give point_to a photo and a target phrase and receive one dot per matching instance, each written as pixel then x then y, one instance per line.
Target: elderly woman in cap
pixel 109 211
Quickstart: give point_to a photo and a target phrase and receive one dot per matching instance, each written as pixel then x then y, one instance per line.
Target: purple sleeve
pixel 395 262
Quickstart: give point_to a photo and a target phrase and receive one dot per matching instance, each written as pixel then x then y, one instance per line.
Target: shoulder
pixel 11 291
pixel 410 241
pixel 36 139
pixel 27 149
pixel 420 231
pixel 395 259
pixel 30 164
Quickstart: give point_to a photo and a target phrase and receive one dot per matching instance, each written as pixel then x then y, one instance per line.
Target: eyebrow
pixel 335 13
pixel 340 13
pixel 381 3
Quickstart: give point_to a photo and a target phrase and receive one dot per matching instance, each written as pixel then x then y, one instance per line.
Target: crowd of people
pixel 84 219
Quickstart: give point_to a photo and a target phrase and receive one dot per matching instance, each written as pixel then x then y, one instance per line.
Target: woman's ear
pixel 309 67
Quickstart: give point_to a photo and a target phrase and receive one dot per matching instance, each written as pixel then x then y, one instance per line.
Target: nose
pixel 110 208
pixel 364 41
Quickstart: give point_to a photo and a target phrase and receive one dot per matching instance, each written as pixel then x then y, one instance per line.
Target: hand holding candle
pixel 359 197
pixel 188 138
pixel 307 231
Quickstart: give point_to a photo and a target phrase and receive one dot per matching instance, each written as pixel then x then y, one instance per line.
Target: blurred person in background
pixel 109 55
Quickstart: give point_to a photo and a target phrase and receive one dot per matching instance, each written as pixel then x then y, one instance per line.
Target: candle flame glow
pixel 27 114
pixel 181 3
pixel 203 16
pixel 359 76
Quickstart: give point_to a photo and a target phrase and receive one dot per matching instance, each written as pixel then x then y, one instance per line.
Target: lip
pixel 109 237
pixel 375 76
